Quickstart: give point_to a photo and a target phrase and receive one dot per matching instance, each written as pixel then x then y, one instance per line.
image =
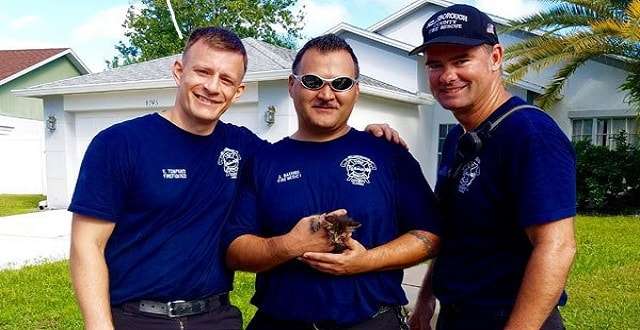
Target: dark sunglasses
pixel 314 82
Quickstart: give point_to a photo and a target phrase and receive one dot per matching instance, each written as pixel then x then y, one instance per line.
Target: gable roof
pixel 16 63
pixel 612 60
pixel 412 7
pixel 266 62
pixel 346 27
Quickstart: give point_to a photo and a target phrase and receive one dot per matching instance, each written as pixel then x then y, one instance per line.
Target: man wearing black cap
pixel 506 185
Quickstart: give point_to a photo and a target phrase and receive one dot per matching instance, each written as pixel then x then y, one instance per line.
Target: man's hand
pixel 351 261
pixel 554 247
pixel 384 130
pixel 308 235
pixel 258 254
pixel 424 309
pixel 89 273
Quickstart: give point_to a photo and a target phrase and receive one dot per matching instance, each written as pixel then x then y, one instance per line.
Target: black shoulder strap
pixel 506 114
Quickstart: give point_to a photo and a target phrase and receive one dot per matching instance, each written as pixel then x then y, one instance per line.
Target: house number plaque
pixel 150 103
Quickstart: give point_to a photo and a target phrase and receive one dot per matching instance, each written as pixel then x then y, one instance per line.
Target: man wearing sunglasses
pixel 328 167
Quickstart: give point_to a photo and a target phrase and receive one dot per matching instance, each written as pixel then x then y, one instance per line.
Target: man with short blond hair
pixel 152 196
pixel 150 201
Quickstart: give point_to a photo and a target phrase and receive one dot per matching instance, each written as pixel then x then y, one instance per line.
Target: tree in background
pixel 151 34
pixel 128 55
pixel 575 31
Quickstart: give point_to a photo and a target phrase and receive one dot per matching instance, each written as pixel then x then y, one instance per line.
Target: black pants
pixel 453 317
pixel 389 320
pixel 226 317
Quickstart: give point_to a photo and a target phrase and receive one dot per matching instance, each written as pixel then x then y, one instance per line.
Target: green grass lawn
pixel 18 204
pixel 41 297
pixel 604 288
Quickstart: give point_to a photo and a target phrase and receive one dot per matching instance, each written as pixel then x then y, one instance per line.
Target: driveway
pixel 34 237
pixel 44 236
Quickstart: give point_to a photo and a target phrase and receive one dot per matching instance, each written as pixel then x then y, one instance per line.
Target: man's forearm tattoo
pixel 427 243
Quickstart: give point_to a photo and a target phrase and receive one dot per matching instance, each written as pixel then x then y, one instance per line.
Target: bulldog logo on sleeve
pixel 230 161
pixel 359 169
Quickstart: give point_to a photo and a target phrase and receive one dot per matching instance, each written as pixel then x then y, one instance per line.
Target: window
pixel 442 135
pixel 582 130
pixel 601 131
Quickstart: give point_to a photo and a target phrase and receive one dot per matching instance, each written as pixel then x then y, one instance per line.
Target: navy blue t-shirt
pixel 523 176
pixel 380 184
pixel 168 192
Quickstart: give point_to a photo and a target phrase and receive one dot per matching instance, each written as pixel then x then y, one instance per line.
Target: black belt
pixel 179 308
pixel 330 325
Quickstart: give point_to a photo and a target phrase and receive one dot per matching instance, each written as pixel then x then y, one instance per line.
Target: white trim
pixel 416 5
pixel 370 35
pixel 601 113
pixel 135 85
pixel 397 15
pixel 169 83
pixel 73 58
pixel 442 3
pixel 418 99
pixel 94 88
pixel 528 85
pixel 267 75
pixel 84 69
pixel 421 98
pixel 497 19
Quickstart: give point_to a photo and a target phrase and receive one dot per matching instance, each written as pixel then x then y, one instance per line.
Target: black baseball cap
pixel 459 25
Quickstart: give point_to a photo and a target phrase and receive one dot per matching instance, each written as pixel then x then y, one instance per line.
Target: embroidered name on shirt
pixel 293 175
pixel 230 161
pixel 359 169
pixel 174 173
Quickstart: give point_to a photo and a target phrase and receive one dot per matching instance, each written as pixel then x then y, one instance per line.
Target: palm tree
pixel 575 31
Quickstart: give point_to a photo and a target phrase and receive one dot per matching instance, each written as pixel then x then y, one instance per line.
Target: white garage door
pixel 21 156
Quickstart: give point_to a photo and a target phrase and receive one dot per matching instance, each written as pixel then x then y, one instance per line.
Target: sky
pixel 92 28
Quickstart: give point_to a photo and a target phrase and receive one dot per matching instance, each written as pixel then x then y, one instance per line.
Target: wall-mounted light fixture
pixel 51 123
pixel 270 115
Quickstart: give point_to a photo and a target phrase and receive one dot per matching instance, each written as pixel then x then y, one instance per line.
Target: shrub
pixel 608 180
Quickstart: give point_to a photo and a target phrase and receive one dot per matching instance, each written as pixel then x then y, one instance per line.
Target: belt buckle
pixel 171 309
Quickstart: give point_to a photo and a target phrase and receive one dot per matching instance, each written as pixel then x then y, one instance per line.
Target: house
pixel 393 90
pixel 22 130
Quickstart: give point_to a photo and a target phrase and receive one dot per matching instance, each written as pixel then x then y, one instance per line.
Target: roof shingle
pixel 14 61
pixel 263 57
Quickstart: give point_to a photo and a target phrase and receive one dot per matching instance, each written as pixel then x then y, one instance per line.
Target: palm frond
pixel 633 10
pixel 576 31
pixel 524 47
pixel 606 8
pixel 633 19
pixel 631 86
pixel 602 8
pixel 551 93
pixel 555 18
pixel 553 45
pixel 518 69
pixel 618 4
pixel 622 30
